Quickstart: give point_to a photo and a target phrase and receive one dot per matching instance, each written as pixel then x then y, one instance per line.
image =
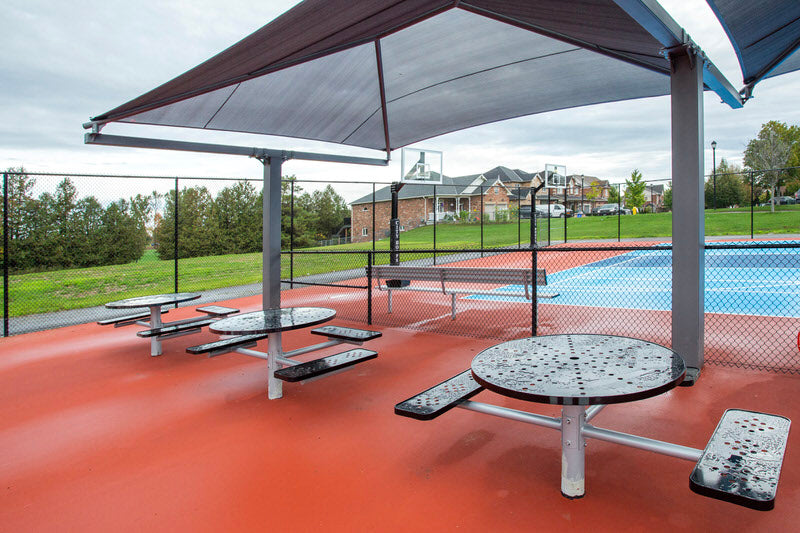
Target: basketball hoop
pixel 420 166
pixel 555 176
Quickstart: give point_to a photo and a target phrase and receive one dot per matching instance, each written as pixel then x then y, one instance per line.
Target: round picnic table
pixel 154 302
pixel 272 320
pixel 576 371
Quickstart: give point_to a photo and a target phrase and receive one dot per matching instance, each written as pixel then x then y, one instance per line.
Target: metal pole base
pixel 692 375
pixel 155 322
pixel 573 447
pixel 274 385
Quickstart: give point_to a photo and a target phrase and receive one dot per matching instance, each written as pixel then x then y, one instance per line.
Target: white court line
pixel 423 322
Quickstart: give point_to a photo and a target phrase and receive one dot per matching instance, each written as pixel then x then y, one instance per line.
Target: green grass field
pixel 70 289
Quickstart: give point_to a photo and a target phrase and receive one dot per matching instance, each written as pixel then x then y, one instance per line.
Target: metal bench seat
pixel 176 328
pixel 350 335
pixel 742 461
pixel 431 403
pixel 447 276
pixel 127 320
pixel 325 365
pixel 520 276
pixel 217 310
pixel 226 345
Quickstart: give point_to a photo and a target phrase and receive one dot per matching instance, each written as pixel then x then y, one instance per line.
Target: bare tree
pixel 768 153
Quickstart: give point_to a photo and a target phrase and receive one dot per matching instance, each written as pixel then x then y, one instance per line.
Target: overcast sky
pixel 63 62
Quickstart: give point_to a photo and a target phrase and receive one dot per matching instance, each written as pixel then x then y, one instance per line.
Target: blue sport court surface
pixel 762 282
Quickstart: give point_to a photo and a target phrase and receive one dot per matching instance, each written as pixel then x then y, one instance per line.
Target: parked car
pixel 559 211
pixel 612 209
pixel 784 200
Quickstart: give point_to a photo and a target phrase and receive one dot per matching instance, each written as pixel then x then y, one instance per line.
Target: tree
pixel 88 227
pixel 634 190
pixel 595 190
pixel 237 211
pixel 303 217
pixel 197 230
pixel 613 194
pixel 731 188
pixel 329 211
pixel 20 198
pixel 770 151
pixel 668 196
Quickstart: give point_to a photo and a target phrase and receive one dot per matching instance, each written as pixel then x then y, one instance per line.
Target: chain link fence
pixel 74 242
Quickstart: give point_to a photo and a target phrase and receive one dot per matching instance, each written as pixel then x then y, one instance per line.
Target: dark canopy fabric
pixel 764 33
pixel 386 73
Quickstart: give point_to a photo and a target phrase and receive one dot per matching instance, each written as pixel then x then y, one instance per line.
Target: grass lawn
pixel 69 289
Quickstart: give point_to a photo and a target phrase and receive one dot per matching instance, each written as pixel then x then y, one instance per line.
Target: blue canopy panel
pixel 387 73
pixel 765 35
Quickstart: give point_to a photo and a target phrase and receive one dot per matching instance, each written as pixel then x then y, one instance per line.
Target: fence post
pixel 175 273
pixel 435 213
pixel 519 218
pixel 549 190
pixel 481 220
pixel 619 212
pixel 373 218
pixel 370 262
pixel 5 255
pixel 565 215
pixel 752 201
pixel 291 237
pixel 534 298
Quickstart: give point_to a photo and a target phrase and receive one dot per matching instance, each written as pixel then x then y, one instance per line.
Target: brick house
pixel 494 195
pixel 654 196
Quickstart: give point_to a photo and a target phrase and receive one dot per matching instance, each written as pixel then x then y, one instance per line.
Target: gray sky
pixel 63 62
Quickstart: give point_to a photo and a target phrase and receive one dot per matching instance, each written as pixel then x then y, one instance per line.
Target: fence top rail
pixel 550 249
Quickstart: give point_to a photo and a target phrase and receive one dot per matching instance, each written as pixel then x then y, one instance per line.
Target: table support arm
pixel 513 414
pixel 643 443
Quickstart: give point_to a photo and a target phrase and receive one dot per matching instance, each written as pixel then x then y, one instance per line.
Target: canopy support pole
pixel 271 235
pixel 688 230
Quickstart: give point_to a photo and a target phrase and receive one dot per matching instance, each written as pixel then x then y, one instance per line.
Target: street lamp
pixel 714 162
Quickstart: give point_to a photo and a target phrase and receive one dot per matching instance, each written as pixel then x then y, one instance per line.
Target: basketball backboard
pixel 555 176
pixel 420 166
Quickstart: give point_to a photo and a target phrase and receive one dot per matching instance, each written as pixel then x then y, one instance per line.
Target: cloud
pixel 68 61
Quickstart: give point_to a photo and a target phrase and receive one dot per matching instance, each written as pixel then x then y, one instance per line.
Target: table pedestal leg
pixel 274 350
pixel 572 451
pixel 155 322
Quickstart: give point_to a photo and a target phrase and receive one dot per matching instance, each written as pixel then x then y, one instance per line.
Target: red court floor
pixel 96 435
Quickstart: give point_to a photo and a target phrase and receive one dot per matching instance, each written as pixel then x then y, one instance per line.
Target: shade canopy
pixel 383 74
pixel 765 35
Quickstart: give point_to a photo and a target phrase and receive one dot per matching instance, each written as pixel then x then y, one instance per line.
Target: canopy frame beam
pixel 272 161
pixel 651 16
pixel 207 148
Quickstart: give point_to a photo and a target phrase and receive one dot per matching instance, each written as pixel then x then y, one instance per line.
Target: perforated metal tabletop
pixel 272 320
pixel 578 369
pixel 152 300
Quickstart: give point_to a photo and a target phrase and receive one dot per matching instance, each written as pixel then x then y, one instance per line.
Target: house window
pixel 402 227
pixel 364 232
pixel 496 190
pixel 365 208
